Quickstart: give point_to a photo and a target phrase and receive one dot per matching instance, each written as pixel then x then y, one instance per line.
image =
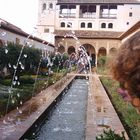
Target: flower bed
pixel 127 113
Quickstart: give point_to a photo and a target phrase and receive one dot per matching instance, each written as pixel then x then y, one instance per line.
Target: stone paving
pixel 100 112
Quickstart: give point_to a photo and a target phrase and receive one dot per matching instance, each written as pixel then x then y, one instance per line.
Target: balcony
pixel 108 16
pixel 87 15
pixel 67 15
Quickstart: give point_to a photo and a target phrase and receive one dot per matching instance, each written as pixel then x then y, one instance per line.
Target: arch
pixel 89 48
pixel 102 52
pixel 62 24
pixel 110 25
pixel 103 25
pixel 44 6
pixel 91 52
pixel 89 25
pixel 82 24
pixel 112 51
pixel 61 49
pixel 71 50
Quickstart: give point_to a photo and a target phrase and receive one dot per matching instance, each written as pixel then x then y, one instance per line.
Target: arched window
pixel 44 6
pixel 110 25
pixel 89 25
pixel 82 25
pixel 62 24
pixel 50 6
pixel 103 25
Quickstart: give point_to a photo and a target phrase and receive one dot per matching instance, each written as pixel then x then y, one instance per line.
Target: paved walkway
pixel 100 112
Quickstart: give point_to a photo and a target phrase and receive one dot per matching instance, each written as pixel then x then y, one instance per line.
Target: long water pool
pixel 66 120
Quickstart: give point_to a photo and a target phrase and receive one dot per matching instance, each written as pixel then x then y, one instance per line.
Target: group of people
pixel 82 60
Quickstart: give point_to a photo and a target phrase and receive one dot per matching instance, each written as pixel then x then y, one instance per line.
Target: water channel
pixel 66 120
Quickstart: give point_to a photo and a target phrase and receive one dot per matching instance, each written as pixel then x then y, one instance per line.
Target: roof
pixel 134 28
pixel 14 29
pixel 88 34
pixel 98 1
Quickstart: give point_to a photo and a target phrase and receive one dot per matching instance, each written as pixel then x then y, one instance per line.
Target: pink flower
pixel 124 94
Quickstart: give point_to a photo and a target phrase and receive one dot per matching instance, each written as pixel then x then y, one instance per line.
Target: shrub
pixel 110 135
pixel 6 82
pixel 102 60
pixel 26 80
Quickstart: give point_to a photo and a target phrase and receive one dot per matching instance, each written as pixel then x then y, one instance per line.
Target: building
pixel 94 24
pixel 11 33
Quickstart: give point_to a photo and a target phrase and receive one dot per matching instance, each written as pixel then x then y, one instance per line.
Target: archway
pixel 102 52
pixel 89 48
pixel 91 52
pixel 61 49
pixel 71 50
pixel 112 51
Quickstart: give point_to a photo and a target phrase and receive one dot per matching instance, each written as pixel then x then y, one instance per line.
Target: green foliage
pixel 26 79
pixel 30 63
pixel 65 56
pixel 110 135
pixel 102 60
pixel 6 82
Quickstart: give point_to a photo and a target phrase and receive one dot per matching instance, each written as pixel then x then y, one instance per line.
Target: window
pixel 44 6
pixel 50 6
pixel 62 24
pixel 69 24
pixel 87 11
pixel 89 25
pixel 68 10
pixel 103 25
pixel 108 11
pixel 130 14
pixel 127 23
pixel 46 30
pixel 82 25
pixel 110 25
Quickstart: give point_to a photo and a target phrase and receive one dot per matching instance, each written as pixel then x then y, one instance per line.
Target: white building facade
pixel 93 15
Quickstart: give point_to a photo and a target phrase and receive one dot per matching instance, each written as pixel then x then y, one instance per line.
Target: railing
pixel 66 15
pixel 108 15
pixel 87 15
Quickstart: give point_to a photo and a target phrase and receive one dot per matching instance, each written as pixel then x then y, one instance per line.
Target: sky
pixel 22 13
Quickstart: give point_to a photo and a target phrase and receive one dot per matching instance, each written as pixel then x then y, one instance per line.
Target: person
pixel 126 69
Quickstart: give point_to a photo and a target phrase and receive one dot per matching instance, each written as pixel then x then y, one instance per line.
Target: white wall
pixel 123 16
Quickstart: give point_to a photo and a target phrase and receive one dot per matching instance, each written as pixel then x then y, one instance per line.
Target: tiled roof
pixel 14 29
pixel 98 1
pixel 134 28
pixel 88 34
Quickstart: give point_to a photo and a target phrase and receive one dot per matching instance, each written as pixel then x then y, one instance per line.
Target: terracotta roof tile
pixel 88 34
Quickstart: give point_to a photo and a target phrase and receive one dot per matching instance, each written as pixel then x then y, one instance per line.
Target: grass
pixel 26 90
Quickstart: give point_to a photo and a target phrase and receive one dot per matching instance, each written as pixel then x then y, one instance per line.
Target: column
pixel 97 11
pixel 77 11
